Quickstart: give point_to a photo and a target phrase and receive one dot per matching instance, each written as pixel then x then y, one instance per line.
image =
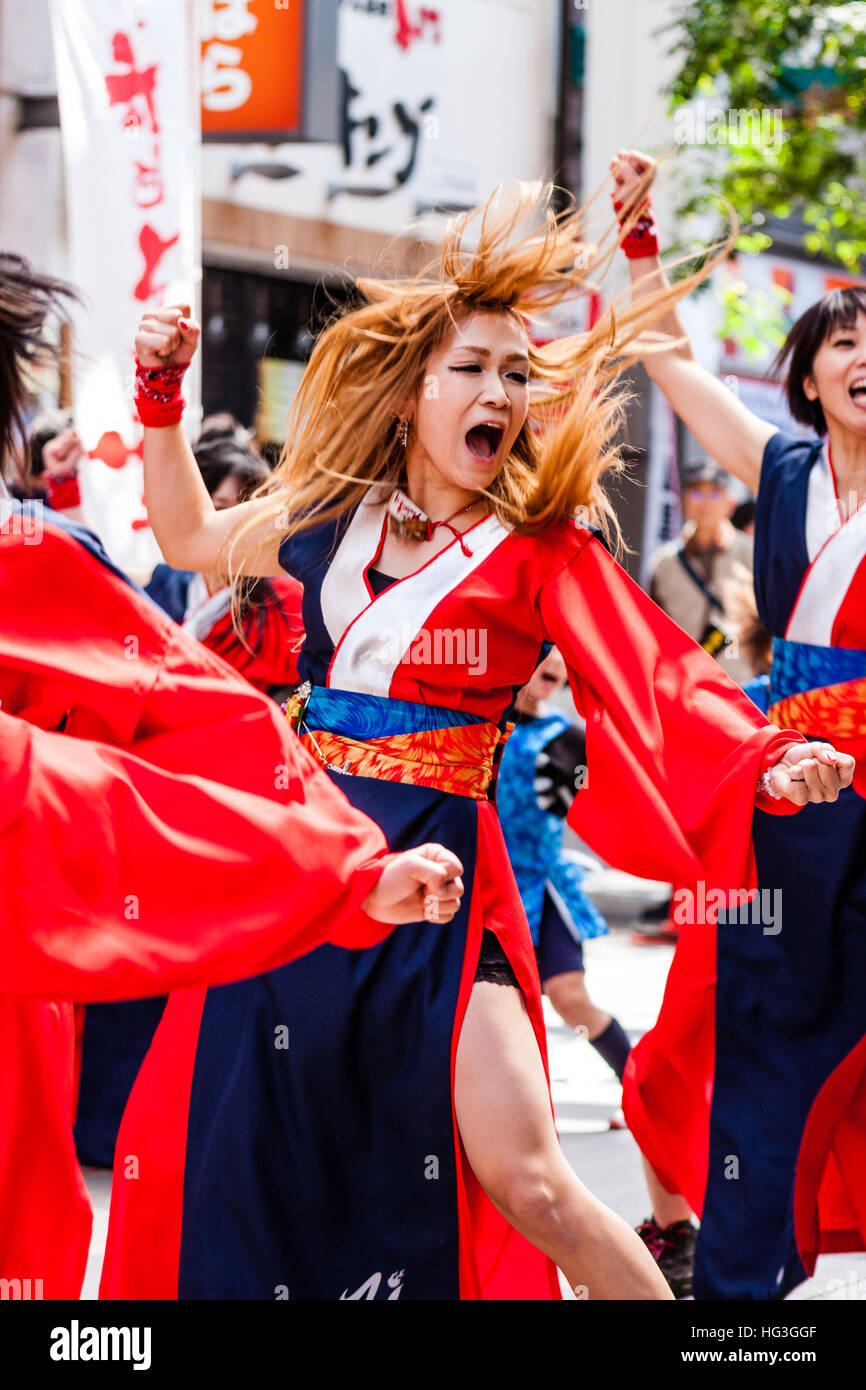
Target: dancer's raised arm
pixel 731 434
pixel 191 533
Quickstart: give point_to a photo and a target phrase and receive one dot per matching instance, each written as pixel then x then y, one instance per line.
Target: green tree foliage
pixel 804 67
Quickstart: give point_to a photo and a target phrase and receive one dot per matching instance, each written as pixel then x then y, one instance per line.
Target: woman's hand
pixel 61 454
pixel 167 337
pixel 421 883
pixel 811 772
pixel 633 175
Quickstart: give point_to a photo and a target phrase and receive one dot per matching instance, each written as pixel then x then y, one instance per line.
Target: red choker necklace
pixel 407 520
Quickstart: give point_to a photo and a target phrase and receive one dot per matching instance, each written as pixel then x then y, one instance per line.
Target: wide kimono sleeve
pixel 674 748
pixel 175 832
pixel 674 754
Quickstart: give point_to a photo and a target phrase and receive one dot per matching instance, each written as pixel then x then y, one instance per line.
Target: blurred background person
pixel 691 575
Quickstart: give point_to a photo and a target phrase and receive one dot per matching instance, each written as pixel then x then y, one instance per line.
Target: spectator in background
pixel 223 425
pixel 698 580
pixel 691 576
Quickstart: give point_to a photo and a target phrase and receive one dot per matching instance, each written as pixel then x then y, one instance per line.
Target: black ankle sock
pixel 613 1045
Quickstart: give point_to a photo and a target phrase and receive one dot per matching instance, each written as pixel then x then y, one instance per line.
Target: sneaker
pixel 673 1249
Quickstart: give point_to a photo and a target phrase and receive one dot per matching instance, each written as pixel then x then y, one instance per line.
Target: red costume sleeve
pixel 176 831
pixel 674 748
pixel 120 879
pixel 273 633
pixel 674 754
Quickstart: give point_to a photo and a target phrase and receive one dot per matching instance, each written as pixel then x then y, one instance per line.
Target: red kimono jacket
pixel 173 833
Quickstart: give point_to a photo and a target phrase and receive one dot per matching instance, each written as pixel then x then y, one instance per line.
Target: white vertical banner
pixel 128 87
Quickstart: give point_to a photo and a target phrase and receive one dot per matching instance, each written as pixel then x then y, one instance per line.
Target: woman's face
pixel 473 403
pixel 838 378
pixel 228 494
pixel 706 504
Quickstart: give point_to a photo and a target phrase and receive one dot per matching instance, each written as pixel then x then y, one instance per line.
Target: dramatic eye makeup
pixel 514 373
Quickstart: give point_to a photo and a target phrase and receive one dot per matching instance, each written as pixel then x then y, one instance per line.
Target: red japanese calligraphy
pixel 153 248
pixel 407 31
pixel 124 88
pixel 149 188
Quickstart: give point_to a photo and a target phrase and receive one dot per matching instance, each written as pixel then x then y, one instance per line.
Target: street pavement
pixel 628 980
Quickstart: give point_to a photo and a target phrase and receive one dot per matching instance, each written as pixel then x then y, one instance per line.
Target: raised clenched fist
pixel 167 337
pixel 633 175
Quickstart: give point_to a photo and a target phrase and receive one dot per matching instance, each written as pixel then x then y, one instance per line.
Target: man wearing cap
pixel 695 578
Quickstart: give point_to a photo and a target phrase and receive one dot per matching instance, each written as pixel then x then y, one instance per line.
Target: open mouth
pixel 857 392
pixel 483 441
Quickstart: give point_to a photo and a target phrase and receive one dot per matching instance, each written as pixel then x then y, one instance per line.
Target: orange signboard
pixel 252 55
pixel 839 282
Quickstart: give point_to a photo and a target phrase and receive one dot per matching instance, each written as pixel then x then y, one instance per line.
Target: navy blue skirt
pixel 789 1008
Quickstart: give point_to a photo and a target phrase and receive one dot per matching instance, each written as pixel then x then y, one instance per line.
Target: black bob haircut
pixel 838 309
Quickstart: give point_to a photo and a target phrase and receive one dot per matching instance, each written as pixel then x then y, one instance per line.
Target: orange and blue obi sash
pixel 398 741
pixel 819 691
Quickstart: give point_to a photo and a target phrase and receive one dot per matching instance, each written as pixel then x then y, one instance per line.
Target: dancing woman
pixel 401 1142
pixel 789 1097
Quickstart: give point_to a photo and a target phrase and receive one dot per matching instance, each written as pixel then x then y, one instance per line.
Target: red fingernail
pixel 184 323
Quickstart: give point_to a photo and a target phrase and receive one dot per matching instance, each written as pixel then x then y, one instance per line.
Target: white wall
pixel 627 69
pixel 493 77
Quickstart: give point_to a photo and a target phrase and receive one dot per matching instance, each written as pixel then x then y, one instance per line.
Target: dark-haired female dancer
pixel 789 1099
pixel 379 1123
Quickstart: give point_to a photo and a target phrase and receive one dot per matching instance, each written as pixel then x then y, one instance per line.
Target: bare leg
pixel 503 1113
pixel 667 1207
pixel 568 995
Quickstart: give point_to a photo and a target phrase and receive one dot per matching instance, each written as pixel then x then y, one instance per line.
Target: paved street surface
pixel 628 980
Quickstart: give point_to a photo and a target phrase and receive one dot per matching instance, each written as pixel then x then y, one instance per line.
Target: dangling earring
pixel 404 433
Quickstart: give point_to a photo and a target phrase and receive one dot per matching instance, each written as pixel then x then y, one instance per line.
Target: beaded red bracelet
pixel 158 398
pixel 642 238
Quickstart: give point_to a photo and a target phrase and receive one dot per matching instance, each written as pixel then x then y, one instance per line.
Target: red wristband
pixel 643 235
pixel 63 491
pixel 158 398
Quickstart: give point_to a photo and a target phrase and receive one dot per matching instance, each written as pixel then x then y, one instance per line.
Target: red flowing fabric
pixel 153 1230
pixel 273 633
pixel 45 1216
pixel 674 751
pixel 830 1189
pixel 174 833
pixel 496 1262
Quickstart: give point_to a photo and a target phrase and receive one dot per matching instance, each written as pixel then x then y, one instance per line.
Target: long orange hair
pixel 515 255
